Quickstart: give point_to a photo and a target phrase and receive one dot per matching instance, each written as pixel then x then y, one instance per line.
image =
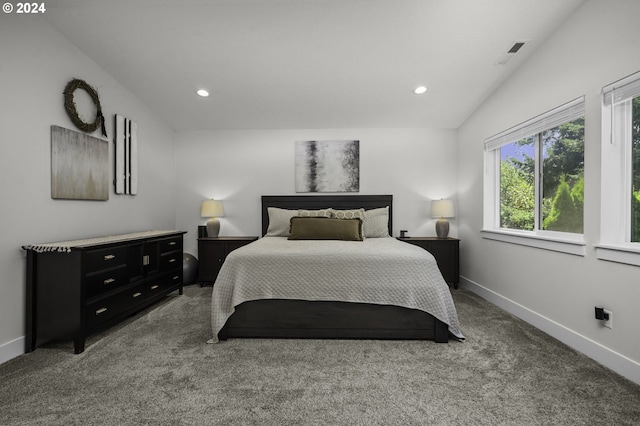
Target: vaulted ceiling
pixel 308 63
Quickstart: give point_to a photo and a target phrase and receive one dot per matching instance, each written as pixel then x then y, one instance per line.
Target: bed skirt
pixel 277 318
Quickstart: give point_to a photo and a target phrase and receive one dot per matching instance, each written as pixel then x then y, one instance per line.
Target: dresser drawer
pixel 107 308
pixel 106 280
pixel 170 261
pixel 136 295
pixel 171 244
pixel 96 260
pixel 172 279
pixel 159 285
pixel 154 287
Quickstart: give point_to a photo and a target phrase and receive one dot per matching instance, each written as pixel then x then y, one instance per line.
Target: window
pixel 517 185
pixel 534 183
pixel 635 170
pixel 620 181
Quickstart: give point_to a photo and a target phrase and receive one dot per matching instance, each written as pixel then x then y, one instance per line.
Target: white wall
pixel 597 45
pixel 414 165
pixel 37 62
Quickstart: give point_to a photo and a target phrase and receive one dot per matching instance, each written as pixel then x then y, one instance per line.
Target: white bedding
pixel 381 271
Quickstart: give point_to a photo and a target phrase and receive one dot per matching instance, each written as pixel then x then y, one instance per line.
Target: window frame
pixel 565 242
pixel 616 172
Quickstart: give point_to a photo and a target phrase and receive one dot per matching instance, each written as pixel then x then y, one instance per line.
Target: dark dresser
pixel 77 287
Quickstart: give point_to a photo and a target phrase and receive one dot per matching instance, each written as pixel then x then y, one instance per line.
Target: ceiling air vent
pixel 515 48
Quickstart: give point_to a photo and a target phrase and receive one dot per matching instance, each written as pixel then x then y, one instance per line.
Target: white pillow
pixel 279 221
pixel 376 223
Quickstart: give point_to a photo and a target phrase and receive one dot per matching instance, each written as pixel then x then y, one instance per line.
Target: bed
pixel 377 288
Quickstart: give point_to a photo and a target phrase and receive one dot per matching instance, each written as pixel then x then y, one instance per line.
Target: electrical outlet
pixel 609 322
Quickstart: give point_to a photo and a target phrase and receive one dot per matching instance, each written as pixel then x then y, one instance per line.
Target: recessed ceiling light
pixel 203 93
pixel 420 90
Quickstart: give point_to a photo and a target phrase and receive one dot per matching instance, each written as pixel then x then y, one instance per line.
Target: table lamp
pixel 442 209
pixel 213 209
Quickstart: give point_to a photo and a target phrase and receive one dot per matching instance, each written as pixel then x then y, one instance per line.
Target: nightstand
pixel 447 254
pixel 213 251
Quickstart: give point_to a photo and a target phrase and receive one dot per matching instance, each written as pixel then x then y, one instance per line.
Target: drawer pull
pixel 172 260
pixel 136 295
pixel 145 260
pixel 109 257
pixel 172 243
pixel 177 277
pixel 101 310
pixel 109 281
pixel 153 287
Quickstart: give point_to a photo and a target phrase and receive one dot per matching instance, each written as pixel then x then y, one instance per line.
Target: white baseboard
pixel 619 363
pixel 11 349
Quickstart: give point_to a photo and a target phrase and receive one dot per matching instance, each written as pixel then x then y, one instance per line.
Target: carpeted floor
pixel 155 369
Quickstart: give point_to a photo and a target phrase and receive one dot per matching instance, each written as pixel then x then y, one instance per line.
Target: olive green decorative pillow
pixel 321 228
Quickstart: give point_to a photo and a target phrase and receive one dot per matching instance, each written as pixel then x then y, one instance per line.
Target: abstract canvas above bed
pixel 328 166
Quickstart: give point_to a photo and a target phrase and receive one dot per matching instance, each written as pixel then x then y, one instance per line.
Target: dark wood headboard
pixel 314 202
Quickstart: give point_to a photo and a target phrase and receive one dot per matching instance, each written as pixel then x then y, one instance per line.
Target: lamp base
pixel 213 227
pixel 442 228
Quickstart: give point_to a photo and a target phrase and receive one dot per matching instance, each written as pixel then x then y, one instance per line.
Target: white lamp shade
pixel 212 208
pixel 442 208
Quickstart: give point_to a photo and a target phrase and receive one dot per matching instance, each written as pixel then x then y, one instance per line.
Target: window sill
pixel 621 253
pixel 562 245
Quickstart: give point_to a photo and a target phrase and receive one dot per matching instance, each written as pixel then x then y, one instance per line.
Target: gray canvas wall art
pixel 328 166
pixel 79 166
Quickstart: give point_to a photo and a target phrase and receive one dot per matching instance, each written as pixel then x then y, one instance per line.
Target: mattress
pixel 381 271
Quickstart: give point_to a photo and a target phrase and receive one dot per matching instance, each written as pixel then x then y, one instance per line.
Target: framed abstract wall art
pixel 327 166
pixel 79 166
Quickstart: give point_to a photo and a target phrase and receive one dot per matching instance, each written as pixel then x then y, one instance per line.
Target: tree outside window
pixel 558 154
pixel 517 185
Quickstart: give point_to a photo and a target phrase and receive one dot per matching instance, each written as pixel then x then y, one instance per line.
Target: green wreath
pixel 70 106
